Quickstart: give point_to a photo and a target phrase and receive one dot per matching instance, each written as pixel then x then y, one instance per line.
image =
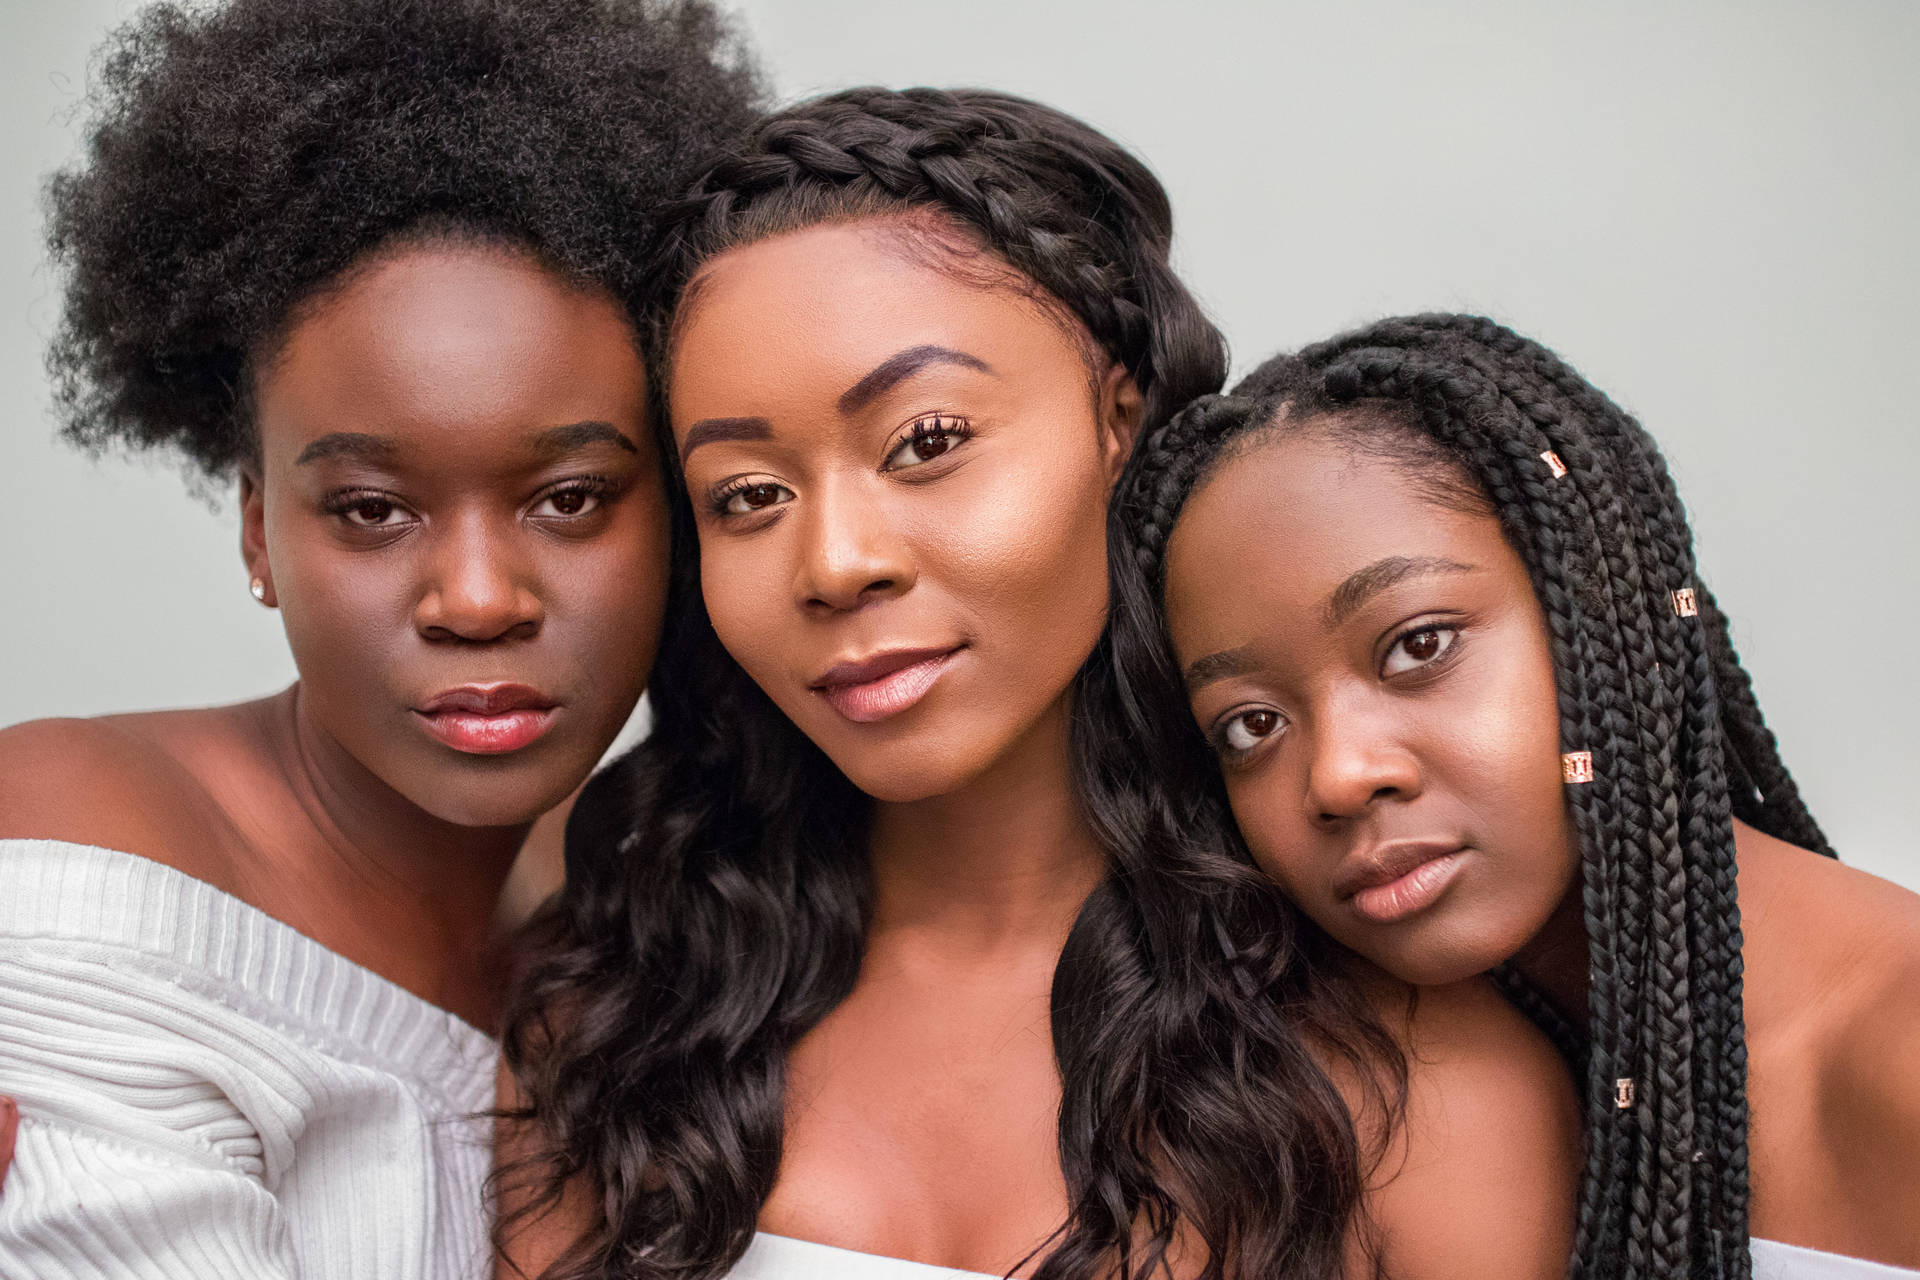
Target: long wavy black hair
pixel 1647 681
pixel 718 882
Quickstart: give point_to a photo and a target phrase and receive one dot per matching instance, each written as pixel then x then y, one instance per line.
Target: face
pixel 1373 672
pixel 461 518
pixel 900 480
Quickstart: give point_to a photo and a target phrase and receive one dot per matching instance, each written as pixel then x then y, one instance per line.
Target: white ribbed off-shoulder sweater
pixel 207 1093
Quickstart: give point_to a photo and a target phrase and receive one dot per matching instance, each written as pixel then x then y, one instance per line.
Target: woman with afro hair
pixel 375 263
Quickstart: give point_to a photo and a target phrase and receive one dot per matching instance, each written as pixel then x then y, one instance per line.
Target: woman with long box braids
pixel 1420 605
pixel 846 971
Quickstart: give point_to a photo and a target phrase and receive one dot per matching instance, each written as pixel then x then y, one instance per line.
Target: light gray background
pixel 1712 209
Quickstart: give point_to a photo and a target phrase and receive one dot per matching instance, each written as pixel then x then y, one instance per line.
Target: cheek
pixel 1504 747
pixel 617 587
pixel 748 591
pixel 1024 548
pixel 1270 820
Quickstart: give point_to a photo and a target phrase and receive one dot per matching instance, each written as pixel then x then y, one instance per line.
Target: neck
pixel 1555 959
pixel 1004 858
pixel 377 844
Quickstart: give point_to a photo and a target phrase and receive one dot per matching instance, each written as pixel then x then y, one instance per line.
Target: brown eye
pixel 568 502
pixel 748 499
pixel 1245 731
pixel 931 438
pixel 1419 648
pixel 370 512
pixel 931 444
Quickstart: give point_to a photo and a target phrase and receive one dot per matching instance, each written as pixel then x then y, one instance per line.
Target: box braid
pixel 1659 698
pixel 717 887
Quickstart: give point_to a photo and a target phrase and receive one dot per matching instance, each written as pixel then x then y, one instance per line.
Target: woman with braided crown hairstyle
pixel 374 264
pixel 1419 605
pixel 844 972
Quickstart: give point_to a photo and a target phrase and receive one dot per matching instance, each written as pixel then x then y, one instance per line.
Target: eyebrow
pixel 1219 666
pixel 347 444
pixel 553 442
pixel 713 430
pixel 900 366
pixel 1364 584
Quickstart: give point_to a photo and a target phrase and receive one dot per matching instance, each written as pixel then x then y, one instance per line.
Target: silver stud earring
pixel 259 590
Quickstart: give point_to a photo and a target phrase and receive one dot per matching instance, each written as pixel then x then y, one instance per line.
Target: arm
pixel 131 1163
pixel 1481 1179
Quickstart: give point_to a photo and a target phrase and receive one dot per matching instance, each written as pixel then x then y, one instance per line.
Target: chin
pixel 496 800
pixel 902 772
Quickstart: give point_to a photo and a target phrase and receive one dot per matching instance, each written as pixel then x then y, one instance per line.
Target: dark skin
pixel 882 458
pixel 1354 706
pixel 454 487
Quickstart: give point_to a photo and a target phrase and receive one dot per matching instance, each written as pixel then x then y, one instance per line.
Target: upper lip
pixel 877 666
pixel 1385 863
pixel 487 700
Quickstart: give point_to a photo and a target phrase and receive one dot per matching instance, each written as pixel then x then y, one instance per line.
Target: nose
pixel 479 586
pixel 852 553
pixel 1357 762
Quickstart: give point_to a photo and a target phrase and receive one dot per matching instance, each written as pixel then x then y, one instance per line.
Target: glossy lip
pixel 1396 880
pixel 488 719
pixel 883 684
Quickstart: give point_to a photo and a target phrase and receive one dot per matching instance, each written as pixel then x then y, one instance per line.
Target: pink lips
pixel 1395 881
pixel 488 719
pixel 883 685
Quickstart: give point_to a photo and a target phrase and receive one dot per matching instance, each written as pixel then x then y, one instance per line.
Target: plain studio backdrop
pixel 1713 210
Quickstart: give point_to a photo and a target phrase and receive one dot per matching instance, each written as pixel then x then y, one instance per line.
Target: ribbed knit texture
pixel 207 1093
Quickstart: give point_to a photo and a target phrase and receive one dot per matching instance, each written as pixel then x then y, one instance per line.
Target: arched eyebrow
pixel 558 441
pixel 552 442
pixel 714 430
pixel 1364 584
pixel 900 366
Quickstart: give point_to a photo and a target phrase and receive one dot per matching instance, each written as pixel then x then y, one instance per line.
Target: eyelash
pixel 342 503
pixel 926 428
pixel 604 488
pixel 1439 661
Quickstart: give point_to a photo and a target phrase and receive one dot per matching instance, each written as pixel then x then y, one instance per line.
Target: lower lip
pixel 484 735
pixel 1413 892
pixel 890 694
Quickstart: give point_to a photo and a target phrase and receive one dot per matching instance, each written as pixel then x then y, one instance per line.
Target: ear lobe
pixel 253 538
pixel 1121 405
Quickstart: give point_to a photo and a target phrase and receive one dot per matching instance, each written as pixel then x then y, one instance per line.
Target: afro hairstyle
pixel 243 155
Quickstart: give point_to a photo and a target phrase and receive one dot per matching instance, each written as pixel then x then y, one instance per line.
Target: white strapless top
pixel 1772 1261
pixel 784 1258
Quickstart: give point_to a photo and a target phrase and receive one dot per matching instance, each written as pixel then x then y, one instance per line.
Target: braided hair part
pixel 718 881
pixel 1652 689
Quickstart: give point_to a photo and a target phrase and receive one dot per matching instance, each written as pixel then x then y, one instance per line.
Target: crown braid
pixel 1069 209
pixel 1659 698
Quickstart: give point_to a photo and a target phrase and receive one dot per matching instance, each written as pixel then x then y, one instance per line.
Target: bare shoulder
pixel 1491 1135
pixel 116 782
pixel 1832 995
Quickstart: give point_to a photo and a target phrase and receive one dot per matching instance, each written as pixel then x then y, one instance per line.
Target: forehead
pixel 1271 532
pixel 803 315
pixel 452 338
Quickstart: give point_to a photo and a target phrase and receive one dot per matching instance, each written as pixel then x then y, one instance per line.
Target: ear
pixel 253 535
pixel 1120 408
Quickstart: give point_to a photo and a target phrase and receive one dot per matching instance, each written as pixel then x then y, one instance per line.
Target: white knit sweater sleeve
pixel 205 1093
